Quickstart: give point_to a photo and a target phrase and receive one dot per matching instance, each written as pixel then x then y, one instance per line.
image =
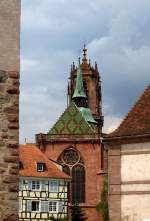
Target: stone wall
pixel 9 107
pixel 9 35
pixel 9 135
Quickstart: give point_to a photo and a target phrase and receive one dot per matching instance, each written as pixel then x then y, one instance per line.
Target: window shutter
pixel 60 206
pixel 53 186
pixel 29 184
pixel 44 206
pixel 43 183
pixel 20 205
pixel 28 205
pixel 20 184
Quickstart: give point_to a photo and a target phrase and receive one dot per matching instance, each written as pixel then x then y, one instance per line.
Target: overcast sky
pixel 117 35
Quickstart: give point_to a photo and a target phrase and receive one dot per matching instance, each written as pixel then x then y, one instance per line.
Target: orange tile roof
pixel 137 121
pixel 30 155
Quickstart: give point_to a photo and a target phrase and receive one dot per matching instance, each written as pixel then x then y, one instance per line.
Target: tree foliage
pixel 77 214
pixel 103 204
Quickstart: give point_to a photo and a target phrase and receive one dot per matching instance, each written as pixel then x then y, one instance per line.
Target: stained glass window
pixel 78 184
pixel 73 165
pixel 70 157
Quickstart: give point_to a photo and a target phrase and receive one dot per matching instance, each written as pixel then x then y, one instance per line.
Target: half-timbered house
pixel 42 186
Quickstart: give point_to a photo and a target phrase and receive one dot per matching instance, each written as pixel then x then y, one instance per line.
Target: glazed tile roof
pixel 86 112
pixel 137 121
pixel 30 155
pixel 72 122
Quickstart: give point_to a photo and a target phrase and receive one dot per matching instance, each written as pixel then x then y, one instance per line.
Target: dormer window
pixel 40 167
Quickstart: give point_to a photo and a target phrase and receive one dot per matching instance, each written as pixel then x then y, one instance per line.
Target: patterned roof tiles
pixel 137 121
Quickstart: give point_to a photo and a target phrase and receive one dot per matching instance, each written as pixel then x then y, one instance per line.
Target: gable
pixel 71 122
pixel 137 121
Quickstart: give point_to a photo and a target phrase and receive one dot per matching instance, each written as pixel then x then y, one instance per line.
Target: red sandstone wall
pixel 92 160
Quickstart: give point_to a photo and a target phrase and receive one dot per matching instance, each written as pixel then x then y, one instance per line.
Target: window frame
pixel 53 201
pixel 40 164
pixel 40 185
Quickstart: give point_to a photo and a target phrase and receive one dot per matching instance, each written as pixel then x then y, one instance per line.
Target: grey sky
pixel 117 36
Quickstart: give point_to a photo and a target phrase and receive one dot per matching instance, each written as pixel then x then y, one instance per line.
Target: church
pixel 74 141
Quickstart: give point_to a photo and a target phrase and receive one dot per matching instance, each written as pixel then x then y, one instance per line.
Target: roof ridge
pixel 131 110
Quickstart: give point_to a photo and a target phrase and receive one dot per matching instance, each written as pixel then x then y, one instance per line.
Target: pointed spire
pixel 79 89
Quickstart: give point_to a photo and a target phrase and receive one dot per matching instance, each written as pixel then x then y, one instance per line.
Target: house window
pixel 35 206
pixel 53 186
pixel 35 185
pixel 40 167
pixel 53 206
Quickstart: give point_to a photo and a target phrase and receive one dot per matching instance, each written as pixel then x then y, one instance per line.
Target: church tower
pixel 92 87
pixel 74 140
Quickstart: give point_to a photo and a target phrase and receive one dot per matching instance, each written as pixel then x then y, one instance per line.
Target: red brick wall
pixel 91 154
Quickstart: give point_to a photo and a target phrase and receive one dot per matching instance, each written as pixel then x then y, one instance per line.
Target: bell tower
pixel 92 87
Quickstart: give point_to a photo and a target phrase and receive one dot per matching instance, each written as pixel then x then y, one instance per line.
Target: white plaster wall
pixel 135 207
pixel 137 166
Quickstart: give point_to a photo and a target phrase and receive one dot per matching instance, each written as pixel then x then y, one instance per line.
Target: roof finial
pixel 96 68
pixel 73 66
pixel 84 54
pixel 79 60
pixel 89 62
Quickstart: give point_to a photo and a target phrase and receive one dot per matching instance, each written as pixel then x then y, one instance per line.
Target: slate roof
pixel 30 155
pixel 137 121
pixel 71 122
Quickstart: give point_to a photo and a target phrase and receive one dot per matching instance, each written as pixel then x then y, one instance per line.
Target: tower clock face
pixel 70 157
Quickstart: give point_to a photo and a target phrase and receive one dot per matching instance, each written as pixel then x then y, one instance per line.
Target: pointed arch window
pixel 73 165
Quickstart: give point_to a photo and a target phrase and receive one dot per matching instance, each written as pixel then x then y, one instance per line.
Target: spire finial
pixel 84 53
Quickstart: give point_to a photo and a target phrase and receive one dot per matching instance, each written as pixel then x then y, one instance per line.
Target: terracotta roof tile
pixel 137 121
pixel 30 155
